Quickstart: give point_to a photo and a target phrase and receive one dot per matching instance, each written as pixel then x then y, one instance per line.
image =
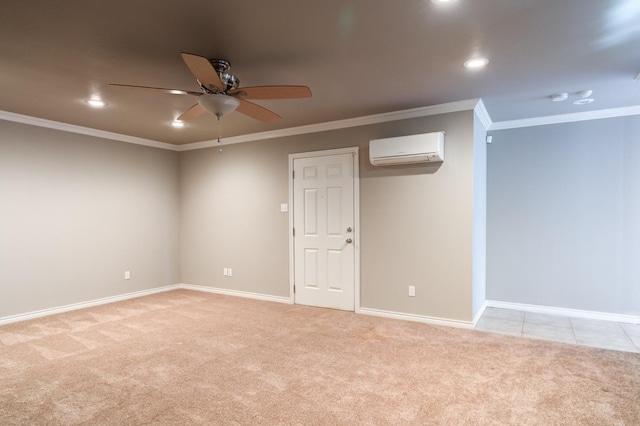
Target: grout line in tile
pixel 629 337
pixel 573 331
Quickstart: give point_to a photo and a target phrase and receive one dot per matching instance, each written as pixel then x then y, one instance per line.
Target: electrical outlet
pixel 127 275
pixel 284 208
pixel 230 272
pixel 225 272
pixel 412 291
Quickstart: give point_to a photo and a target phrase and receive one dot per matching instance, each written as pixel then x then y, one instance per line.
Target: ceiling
pixel 359 57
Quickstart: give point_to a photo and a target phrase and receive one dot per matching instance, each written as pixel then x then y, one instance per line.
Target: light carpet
pixel 185 357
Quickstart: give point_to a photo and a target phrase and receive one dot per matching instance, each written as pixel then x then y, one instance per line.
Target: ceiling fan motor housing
pixel 229 81
pixel 220 65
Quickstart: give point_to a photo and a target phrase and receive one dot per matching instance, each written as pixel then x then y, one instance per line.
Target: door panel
pixel 311 212
pixel 323 215
pixel 311 268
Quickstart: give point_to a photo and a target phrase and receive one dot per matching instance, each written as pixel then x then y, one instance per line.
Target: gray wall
pixel 78 211
pixel 564 216
pixel 416 220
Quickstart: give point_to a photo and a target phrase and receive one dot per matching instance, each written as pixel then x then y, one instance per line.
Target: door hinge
pixel 294 232
pixel 293 174
pixel 294 289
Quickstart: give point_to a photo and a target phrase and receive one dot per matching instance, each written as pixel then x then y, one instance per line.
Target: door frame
pixel 355 151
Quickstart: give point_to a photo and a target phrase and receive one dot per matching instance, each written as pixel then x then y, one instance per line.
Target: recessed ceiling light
pixel 443 1
pixel 583 101
pixel 585 93
pixel 559 97
pixel 476 63
pixel 177 92
pixel 177 123
pixel 96 103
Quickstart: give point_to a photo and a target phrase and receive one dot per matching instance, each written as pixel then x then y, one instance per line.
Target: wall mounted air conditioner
pixel 425 148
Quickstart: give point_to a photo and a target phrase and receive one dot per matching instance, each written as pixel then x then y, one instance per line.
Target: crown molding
pixel 72 128
pixel 483 115
pixel 450 107
pixel 472 104
pixel 446 108
pixel 566 118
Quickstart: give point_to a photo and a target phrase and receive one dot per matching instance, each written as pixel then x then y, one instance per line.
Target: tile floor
pixel 580 331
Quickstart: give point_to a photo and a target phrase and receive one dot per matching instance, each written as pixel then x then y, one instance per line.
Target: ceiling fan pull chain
pixel 219 131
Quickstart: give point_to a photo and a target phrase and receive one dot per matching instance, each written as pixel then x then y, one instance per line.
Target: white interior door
pixel 324 231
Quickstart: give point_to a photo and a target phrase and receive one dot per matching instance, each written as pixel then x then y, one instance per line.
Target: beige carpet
pixel 194 358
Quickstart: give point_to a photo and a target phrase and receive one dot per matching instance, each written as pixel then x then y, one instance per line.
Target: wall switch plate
pixel 225 272
pixel 230 272
pixel 127 275
pixel 412 291
pixel 284 208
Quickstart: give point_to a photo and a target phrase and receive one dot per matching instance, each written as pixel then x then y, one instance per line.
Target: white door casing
pixel 324 229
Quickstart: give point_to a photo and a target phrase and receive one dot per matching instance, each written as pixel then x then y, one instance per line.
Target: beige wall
pixel 76 212
pixel 416 220
pixel 230 217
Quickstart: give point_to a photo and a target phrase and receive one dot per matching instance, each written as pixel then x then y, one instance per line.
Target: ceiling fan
pixel 221 92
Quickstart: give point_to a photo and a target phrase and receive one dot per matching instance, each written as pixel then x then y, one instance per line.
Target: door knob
pixel 349 229
pixel 349 240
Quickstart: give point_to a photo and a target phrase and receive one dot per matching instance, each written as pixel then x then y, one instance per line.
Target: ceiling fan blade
pixel 158 89
pixel 191 113
pixel 258 112
pixel 272 92
pixel 202 69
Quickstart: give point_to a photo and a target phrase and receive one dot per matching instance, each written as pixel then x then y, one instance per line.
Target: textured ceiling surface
pixel 359 57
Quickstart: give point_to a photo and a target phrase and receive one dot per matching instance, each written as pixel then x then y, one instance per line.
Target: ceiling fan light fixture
pixel 177 123
pixel 218 104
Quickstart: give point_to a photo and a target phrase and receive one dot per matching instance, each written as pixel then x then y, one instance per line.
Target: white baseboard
pixel 83 305
pixel 237 293
pixel 574 313
pixel 476 318
pixel 416 318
